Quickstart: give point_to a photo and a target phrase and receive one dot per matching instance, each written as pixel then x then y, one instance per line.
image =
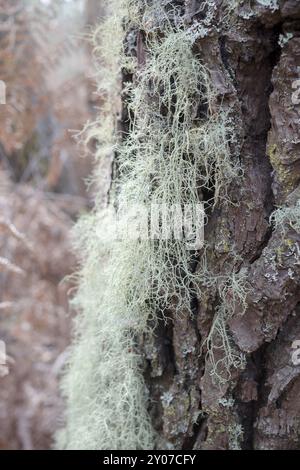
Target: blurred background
pixel 47 96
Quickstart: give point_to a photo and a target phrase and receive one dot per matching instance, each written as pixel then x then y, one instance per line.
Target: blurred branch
pixel 15 232
pixel 5 263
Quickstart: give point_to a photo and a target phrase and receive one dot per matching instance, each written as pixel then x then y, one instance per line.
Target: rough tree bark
pixel 253 64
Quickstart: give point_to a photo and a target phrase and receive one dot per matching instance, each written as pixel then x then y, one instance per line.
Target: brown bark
pixel 254 75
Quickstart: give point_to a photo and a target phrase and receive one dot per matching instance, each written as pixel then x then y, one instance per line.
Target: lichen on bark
pixel 209 89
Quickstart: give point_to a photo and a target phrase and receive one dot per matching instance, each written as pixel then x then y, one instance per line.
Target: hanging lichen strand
pixel 170 153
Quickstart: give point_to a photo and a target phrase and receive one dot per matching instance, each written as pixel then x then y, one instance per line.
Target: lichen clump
pixel 287 217
pixel 177 144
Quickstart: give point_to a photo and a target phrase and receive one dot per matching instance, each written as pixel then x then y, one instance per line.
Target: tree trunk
pixel 252 52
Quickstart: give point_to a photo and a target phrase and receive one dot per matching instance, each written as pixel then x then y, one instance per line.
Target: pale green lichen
pixel 284 38
pixel 272 4
pixel 236 434
pixel 168 156
pixel 222 354
pixel 287 217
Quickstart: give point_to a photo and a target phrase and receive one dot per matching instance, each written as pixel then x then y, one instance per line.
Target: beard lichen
pixel 178 144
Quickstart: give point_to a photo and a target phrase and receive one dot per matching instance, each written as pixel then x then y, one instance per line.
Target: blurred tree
pixel 46 66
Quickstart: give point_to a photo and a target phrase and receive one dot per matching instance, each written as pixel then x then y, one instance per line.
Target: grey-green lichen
pixel 287 217
pixel 168 156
